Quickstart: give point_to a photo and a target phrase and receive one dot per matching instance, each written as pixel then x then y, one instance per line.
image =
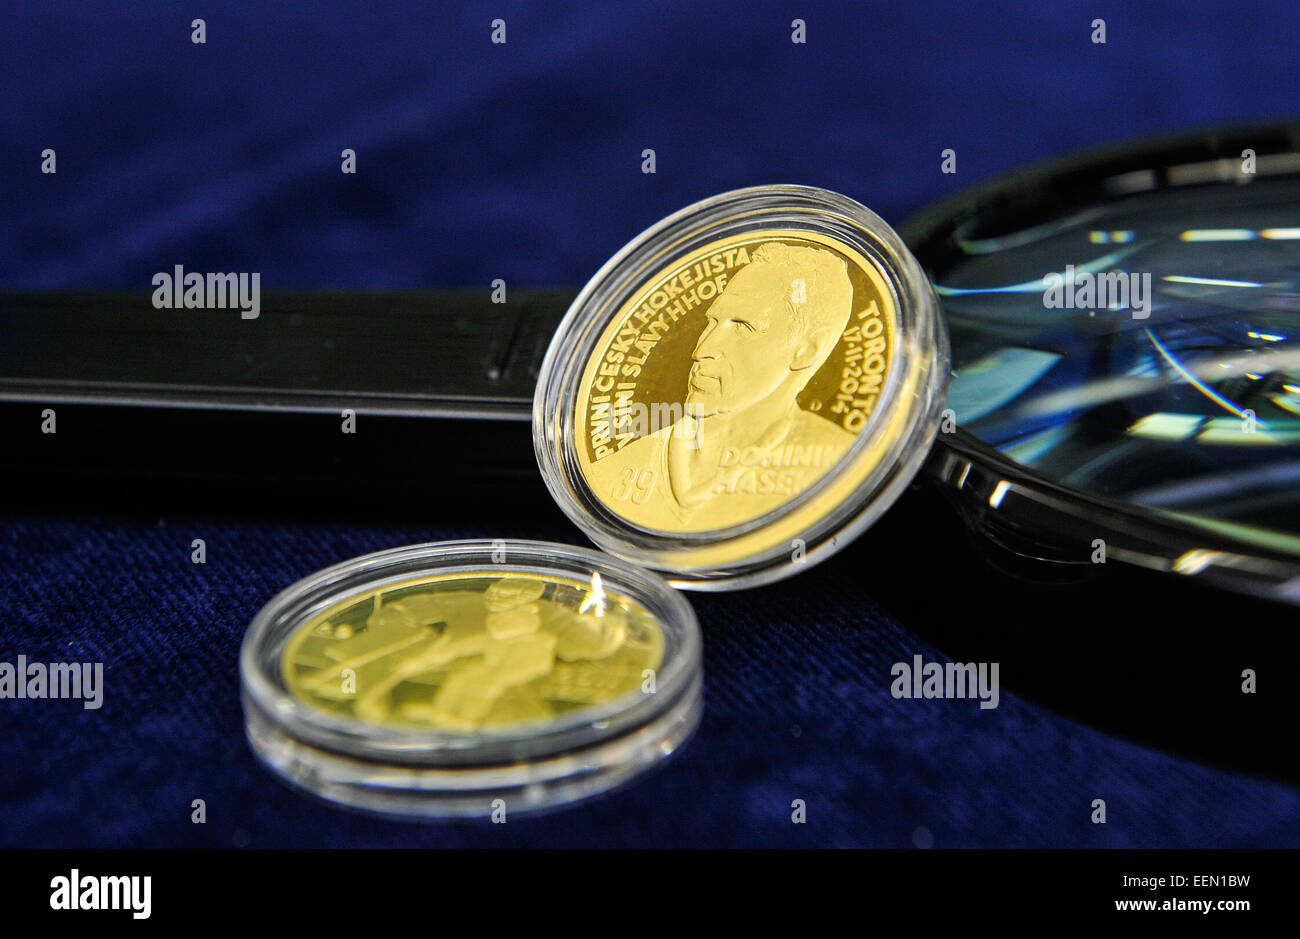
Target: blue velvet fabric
pixel 523 161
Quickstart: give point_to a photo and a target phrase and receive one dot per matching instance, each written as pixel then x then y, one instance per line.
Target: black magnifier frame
pixel 1022 510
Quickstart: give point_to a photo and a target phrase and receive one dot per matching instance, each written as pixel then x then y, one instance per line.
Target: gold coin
pixel 473 650
pixel 744 388
pixel 733 380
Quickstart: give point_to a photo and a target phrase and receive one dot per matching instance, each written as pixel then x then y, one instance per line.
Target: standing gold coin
pixel 734 380
pixel 744 388
pixel 473 650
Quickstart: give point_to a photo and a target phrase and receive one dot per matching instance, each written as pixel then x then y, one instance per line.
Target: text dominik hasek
pixel 195 291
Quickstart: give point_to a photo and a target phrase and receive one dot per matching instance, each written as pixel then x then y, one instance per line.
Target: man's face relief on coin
pixel 734 381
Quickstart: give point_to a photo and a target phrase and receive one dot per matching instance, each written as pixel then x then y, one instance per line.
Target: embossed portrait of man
pixel 744 445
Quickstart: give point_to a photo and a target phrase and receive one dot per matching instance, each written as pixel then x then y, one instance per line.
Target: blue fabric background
pixel 522 161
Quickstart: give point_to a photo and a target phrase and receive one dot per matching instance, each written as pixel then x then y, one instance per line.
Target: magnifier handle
pixel 387 384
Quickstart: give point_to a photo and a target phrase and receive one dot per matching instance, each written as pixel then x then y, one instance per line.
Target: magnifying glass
pixel 1126 368
pixel 1125 329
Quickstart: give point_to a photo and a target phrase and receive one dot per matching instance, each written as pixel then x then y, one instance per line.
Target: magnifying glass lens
pixel 1144 349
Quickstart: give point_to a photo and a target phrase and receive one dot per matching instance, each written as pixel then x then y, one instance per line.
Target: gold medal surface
pixel 734 380
pixel 474 650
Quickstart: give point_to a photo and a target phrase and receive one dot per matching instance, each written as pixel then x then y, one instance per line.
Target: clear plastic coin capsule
pixel 470 678
pixel 744 388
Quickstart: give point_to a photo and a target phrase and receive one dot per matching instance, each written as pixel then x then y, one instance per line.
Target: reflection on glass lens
pixel 1144 350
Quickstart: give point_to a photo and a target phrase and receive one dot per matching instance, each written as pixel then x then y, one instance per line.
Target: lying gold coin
pixel 465 678
pixel 473 650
